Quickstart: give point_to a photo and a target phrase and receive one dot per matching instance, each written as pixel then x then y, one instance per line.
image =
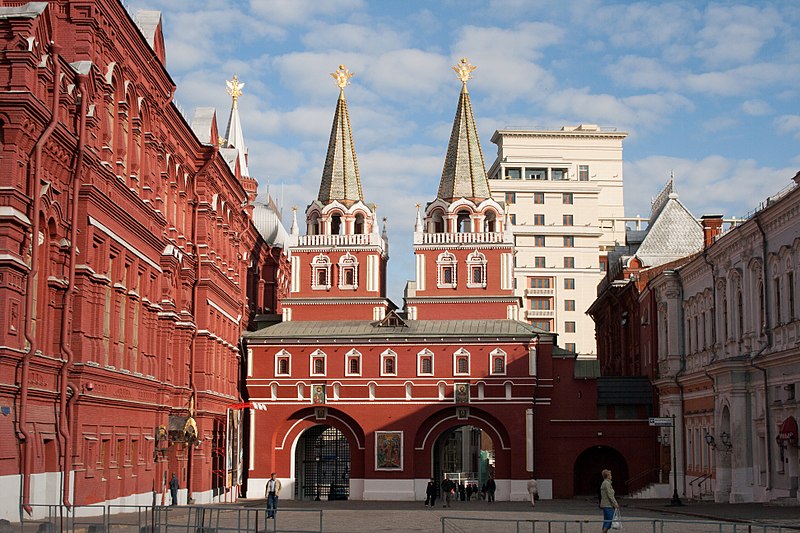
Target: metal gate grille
pixel 324 471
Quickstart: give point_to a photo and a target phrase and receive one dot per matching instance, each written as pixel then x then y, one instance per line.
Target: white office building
pixel 563 191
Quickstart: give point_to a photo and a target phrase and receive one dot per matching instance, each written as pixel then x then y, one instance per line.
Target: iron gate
pixel 324 465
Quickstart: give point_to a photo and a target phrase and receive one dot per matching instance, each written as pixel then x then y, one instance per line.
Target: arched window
pixel 313 224
pixel 740 312
pixel 388 366
pixel 446 264
pixel 436 224
pixel 348 271
pixel 498 362
pixel 476 265
pixel 321 273
pixel 358 225
pixel 463 222
pixel 389 363
pixel 319 366
pixel 461 362
pixel 425 363
pixel 336 224
pixel 490 222
pixel 353 363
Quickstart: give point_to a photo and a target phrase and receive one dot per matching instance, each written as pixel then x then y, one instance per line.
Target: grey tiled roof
pixel 464 173
pixel 340 178
pixel 148 21
pixel 673 234
pixel 29 10
pixel 415 329
pixel 269 224
pixel 201 124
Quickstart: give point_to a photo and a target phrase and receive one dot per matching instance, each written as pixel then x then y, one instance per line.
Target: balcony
pixel 460 238
pixel 531 293
pixel 540 313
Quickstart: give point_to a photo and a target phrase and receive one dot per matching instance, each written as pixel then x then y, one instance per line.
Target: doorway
pixel 466 454
pixel 322 465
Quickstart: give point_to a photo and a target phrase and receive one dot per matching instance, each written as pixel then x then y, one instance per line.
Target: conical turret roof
pixel 340 178
pixel 464 173
pixel 234 138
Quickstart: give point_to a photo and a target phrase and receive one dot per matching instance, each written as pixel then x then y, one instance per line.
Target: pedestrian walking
pixel 273 490
pixel 607 501
pixel 430 494
pixel 462 491
pixel 469 491
pixel 491 487
pixel 448 488
pixel 533 490
pixel 173 488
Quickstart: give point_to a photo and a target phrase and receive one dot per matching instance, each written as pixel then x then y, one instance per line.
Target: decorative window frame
pixel 350 356
pixel 460 354
pixel 494 355
pixel 321 263
pixel 445 261
pixel 476 260
pixel 348 263
pixel 425 353
pixel 317 355
pixel 283 355
pixel 389 354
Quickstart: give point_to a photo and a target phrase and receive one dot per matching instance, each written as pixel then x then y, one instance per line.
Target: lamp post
pixel 676 501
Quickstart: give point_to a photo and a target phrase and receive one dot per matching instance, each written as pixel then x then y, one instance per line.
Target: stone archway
pixel 322 464
pixel 591 462
pixel 465 453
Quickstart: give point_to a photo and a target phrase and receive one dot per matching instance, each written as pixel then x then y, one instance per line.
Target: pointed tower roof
pixel 340 178
pixel 464 173
pixel 234 138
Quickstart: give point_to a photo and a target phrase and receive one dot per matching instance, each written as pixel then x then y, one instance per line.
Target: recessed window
pixel 540 283
pixel 389 363
pixel 540 304
pixel 538 220
pixel 425 363
pixel 513 173
pixel 544 325
pixel 536 174
pixel 583 172
pixel 348 271
pixel 569 262
pixel 567 198
pixel 463 221
pixel 497 360
pixel 538 198
pixel 283 363
pixel 511 198
pixel 461 362
pixel 569 283
pixel 318 363
pixel 446 264
pixel 569 241
pixel 538 240
pixel 569 327
pixel 539 262
pixel 567 220
pixel 559 174
pixel 321 272
pixel 476 263
pixel 570 347
pixel 569 305
pixel 353 363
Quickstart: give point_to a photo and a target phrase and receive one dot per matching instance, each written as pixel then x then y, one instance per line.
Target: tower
pixel 341 260
pixel 463 245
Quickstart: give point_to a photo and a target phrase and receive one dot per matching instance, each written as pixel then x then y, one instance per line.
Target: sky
pixel 709 91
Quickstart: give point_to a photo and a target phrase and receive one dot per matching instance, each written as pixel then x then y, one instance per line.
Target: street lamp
pixel 726 439
pixel 676 501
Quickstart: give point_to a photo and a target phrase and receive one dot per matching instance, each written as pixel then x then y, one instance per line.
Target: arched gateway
pixel 322 465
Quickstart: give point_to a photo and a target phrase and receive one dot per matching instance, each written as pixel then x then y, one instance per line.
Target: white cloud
pixel 756 107
pixel 354 37
pixel 734 35
pixel 302 11
pixel 788 124
pixel 714 184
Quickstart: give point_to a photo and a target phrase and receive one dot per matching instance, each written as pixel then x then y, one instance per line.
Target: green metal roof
pixel 414 328
pixel 622 390
pixel 587 369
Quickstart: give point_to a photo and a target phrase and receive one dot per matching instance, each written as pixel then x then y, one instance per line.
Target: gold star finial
pixel 234 88
pixel 342 76
pixel 464 70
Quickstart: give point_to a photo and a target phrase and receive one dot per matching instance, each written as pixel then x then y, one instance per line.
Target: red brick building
pixel 126 245
pixel 360 400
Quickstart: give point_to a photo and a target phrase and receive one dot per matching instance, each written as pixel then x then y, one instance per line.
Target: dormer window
pixel 321 273
pixel 463 222
pixel 348 272
pixel 476 265
pixel 446 264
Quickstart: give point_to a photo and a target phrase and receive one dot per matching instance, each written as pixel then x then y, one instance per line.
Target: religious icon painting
pixel 318 394
pixel 462 413
pixel 320 413
pixel 462 392
pixel 388 450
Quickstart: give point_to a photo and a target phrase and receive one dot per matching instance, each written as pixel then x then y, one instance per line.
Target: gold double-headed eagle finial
pixel 234 88
pixel 342 76
pixel 464 70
